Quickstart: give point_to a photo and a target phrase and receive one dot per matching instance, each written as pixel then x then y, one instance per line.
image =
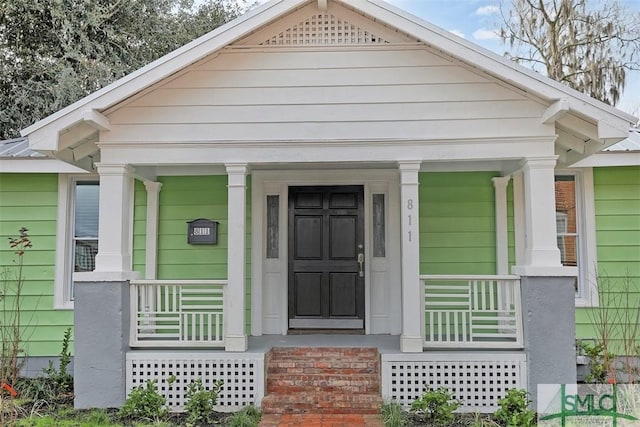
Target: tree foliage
pixel 586 45
pixel 54 52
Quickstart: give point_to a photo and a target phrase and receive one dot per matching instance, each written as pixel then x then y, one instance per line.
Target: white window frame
pixel 562 217
pixel 587 291
pixel 64 275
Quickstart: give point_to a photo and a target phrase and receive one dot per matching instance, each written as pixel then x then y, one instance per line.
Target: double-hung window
pixel 575 223
pixel 77 233
pixel 85 236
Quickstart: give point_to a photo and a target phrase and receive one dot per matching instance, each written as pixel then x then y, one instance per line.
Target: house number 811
pixel 409 207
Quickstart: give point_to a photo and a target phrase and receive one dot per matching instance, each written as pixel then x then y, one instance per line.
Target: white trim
pixel 541 251
pixel 315 151
pixel 500 184
pixel 411 340
pixel 64 274
pixel 555 111
pixel 37 165
pixel 151 251
pixel 115 234
pixel 235 302
pixel 587 294
pixel 277 183
pixel 518 217
pixel 604 159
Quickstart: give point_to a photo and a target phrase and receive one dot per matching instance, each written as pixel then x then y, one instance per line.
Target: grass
pixel 66 416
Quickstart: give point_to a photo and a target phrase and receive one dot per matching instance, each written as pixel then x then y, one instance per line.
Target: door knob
pixel 361 264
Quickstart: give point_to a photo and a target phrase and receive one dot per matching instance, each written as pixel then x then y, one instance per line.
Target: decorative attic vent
pixel 324 28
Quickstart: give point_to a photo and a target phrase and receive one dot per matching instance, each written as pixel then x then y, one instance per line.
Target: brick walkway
pixel 320 420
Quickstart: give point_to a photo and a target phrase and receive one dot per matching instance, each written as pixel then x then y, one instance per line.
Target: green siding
pixel 617 204
pixel 30 200
pixel 183 199
pixel 457 223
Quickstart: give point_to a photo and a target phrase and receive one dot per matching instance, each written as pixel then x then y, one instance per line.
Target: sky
pixel 477 20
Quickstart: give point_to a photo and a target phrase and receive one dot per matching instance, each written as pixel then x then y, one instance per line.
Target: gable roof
pixel 17 157
pixel 631 144
pixel 612 124
pixel 17 147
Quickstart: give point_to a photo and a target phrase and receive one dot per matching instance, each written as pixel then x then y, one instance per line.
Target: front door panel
pixel 326 235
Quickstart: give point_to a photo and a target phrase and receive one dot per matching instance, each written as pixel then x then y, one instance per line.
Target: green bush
pixel 144 402
pixel 435 406
pixel 200 402
pixel 514 409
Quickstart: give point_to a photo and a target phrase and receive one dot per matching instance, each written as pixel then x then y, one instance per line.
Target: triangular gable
pixel 335 25
pixel 378 21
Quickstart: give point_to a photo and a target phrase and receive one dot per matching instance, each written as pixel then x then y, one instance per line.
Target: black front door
pixel 326 241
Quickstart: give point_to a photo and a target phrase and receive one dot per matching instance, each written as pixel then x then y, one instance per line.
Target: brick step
pixel 324 352
pixel 284 383
pixel 321 401
pixel 322 366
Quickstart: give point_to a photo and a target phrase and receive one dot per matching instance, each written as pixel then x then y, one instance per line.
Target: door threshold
pixel 325 332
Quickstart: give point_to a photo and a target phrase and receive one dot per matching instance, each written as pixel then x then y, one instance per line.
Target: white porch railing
pixel 177 313
pixel 472 311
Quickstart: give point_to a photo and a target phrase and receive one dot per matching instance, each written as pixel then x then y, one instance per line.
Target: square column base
pixel 410 344
pixel 236 343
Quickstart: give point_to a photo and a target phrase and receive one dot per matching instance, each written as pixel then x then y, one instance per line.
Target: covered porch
pixel 430 329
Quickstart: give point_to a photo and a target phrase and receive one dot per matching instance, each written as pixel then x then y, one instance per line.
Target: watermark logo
pixel 568 405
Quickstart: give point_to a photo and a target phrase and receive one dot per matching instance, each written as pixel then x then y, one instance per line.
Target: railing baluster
pixel 472 311
pixel 171 313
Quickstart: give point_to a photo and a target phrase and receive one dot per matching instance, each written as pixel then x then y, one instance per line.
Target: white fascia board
pixel 37 165
pixel 492 63
pixel 609 159
pixel 163 67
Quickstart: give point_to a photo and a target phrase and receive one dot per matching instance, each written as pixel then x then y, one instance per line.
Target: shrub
pixel 61 377
pixel 144 402
pixel 435 406
pixel 514 409
pixel 200 402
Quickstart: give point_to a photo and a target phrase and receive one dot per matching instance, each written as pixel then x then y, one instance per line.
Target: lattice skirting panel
pixel 478 380
pixel 242 375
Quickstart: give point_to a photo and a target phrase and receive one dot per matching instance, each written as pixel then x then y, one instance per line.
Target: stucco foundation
pixel 101 319
pixel 548 306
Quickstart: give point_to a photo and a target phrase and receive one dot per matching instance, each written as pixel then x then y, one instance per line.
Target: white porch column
pixel 153 203
pixel 542 257
pixel 502 240
pixel 411 340
pixel 518 217
pixel 236 338
pixel 116 219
